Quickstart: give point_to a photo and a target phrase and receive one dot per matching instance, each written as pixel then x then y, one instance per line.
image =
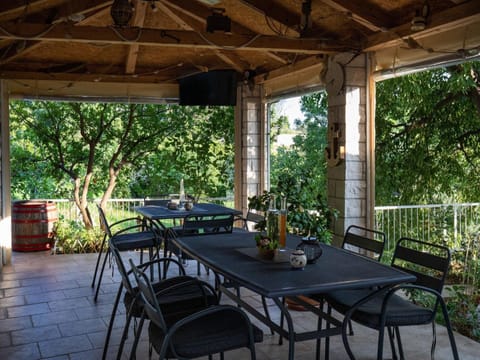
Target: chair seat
pixel 177 304
pixel 134 240
pixel 223 333
pixel 400 311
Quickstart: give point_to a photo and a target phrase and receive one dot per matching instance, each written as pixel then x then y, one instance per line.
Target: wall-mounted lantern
pixel 334 152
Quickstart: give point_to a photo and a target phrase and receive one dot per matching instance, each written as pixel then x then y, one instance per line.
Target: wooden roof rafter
pixel 190 23
pixel 461 15
pixel 138 21
pixel 369 17
pixel 171 38
pixel 271 10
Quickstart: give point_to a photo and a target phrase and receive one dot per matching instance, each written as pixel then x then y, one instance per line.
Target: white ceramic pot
pixel 298 259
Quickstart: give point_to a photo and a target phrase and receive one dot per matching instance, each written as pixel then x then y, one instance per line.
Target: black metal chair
pixel 365 242
pixel 386 308
pixel 179 295
pixel 133 234
pixel 213 330
pixel 250 217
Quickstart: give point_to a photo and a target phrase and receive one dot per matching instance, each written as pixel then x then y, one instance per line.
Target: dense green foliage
pixel 300 171
pixel 201 152
pixel 428 137
pixel 83 150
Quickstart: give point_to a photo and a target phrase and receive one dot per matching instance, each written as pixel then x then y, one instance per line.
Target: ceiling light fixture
pixel 121 12
pixel 219 22
pixel 419 21
pixel 153 5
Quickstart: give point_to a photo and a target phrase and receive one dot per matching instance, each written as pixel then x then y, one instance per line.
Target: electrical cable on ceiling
pixel 139 34
pixel 32 37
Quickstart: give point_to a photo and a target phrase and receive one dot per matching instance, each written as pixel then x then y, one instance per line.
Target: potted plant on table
pixel 266 246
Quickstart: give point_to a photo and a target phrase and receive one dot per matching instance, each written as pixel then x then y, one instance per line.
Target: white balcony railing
pixel 456 225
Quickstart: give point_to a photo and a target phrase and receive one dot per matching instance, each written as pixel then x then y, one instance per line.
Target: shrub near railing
pixel 70 233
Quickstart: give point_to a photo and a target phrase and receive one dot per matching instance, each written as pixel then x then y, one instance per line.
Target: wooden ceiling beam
pixel 367 16
pixel 18 49
pixel 192 24
pixel 276 12
pixel 138 20
pixel 74 77
pixel 290 70
pixel 14 9
pixel 68 11
pixel 10 10
pixel 458 16
pixel 169 38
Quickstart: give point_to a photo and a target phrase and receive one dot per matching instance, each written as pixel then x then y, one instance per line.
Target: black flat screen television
pixel 216 87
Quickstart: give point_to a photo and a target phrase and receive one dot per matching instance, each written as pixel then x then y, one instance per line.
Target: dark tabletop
pixel 156 212
pixel 336 269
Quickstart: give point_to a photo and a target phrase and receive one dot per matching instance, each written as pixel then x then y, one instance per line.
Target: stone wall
pixel 347 181
pixel 249 147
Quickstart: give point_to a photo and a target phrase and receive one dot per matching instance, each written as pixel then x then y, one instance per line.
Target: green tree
pixel 302 167
pixel 428 137
pixel 91 144
pixel 201 153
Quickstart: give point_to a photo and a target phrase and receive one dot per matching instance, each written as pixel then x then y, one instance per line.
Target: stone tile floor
pixel 47 312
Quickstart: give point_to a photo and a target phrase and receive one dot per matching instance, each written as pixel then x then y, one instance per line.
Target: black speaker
pixel 216 87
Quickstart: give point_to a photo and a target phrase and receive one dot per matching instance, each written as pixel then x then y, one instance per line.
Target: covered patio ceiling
pixel 62 48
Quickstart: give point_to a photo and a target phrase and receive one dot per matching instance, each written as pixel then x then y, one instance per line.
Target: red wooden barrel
pixel 32 225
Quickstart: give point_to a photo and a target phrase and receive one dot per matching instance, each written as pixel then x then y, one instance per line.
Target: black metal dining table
pixel 159 212
pixel 234 257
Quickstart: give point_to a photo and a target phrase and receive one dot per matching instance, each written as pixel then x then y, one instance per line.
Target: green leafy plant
pixel 312 219
pixel 264 242
pixel 71 237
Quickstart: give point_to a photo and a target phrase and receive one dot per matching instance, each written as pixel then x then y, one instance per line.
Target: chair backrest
pixel 203 225
pixel 427 261
pixel 104 222
pixel 153 310
pixel 127 284
pixel 160 200
pixel 151 305
pixel 367 242
pixel 254 217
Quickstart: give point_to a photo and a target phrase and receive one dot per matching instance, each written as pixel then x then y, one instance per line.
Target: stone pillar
pixel 5 199
pixel 250 152
pixel 348 187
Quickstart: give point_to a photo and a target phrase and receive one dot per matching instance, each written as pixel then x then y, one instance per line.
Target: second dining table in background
pixel 162 212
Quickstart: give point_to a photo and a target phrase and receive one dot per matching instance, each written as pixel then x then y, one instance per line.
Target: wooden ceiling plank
pixel 277 57
pixel 276 12
pixel 458 16
pixel 67 11
pixel 183 23
pixel 10 10
pixel 291 69
pixel 171 38
pixel 191 8
pixel 191 24
pixel 90 77
pixel 200 13
pixel 22 48
pixel 360 13
pixel 232 61
pixel 138 20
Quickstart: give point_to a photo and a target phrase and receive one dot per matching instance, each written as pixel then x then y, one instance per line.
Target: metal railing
pixel 117 208
pixel 449 224
pixel 454 225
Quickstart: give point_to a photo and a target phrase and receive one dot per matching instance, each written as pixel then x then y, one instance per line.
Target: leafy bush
pixel 71 237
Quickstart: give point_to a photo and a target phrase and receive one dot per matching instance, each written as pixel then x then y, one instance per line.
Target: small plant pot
pixel 267 254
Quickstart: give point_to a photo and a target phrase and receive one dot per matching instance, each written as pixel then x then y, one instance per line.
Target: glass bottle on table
pixel 272 220
pixel 282 223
